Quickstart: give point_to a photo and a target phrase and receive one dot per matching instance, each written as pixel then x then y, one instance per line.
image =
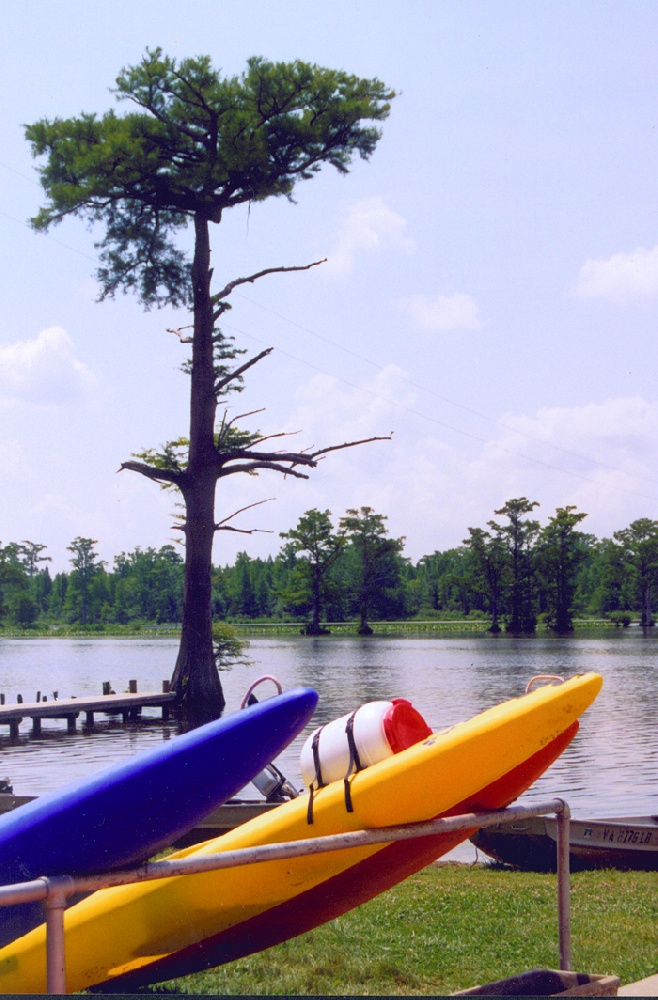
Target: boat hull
pixel 628 843
pixel 136 934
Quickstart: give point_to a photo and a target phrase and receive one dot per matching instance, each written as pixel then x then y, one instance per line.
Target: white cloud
pixel 622 275
pixel 433 486
pixel 369 225
pixel 331 410
pixel 443 312
pixel 44 370
pixel 601 457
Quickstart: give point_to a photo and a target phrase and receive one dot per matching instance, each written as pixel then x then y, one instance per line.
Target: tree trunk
pixel 364 601
pixel 647 613
pixel 195 678
pixel 315 628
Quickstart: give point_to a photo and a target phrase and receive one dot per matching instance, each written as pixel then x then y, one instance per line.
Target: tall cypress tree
pixel 193 145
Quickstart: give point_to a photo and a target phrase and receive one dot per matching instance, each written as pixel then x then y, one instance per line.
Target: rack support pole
pixel 563 887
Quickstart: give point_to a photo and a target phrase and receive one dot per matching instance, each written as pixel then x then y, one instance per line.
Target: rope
pixel 543 677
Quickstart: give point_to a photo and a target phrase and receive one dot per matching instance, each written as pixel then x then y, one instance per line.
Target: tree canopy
pixel 193 145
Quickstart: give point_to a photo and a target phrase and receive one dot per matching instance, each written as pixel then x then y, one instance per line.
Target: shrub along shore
pixel 254 628
pixel 450 927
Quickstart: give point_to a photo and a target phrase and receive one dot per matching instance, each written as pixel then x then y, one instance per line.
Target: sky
pixel 490 294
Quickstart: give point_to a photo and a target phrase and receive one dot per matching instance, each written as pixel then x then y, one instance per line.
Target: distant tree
pixel 605 580
pixel 86 565
pixel 241 586
pixel 24 609
pixel 367 533
pixel 518 537
pixel 194 145
pixel 320 546
pixel 489 566
pixel 31 556
pixel 147 585
pixel 57 596
pixel 13 580
pixel 444 582
pixel 561 550
pixel 41 587
pixel 639 549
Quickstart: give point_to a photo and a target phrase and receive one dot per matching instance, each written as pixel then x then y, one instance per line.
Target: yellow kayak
pixel 154 931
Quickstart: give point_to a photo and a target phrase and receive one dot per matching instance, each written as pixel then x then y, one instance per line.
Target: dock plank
pixel 70 708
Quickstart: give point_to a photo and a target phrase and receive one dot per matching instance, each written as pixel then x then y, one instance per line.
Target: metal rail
pixel 55 891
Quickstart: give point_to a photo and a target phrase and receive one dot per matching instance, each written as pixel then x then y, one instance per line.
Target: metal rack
pixel 56 891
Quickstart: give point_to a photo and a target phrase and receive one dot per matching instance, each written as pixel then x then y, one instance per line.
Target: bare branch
pixel 272 437
pixel 245 531
pixel 349 444
pixel 260 274
pixel 252 413
pixel 257 465
pixel 173 476
pixel 179 334
pixel 285 457
pixel 241 511
pixel 277 459
pixel 219 385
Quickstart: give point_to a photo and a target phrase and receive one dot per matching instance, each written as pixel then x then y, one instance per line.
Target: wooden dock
pixel 128 706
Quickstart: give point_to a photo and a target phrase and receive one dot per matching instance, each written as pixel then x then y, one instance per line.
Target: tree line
pixel 514 572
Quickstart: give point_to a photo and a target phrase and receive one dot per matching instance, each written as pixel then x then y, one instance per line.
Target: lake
pixel 610 768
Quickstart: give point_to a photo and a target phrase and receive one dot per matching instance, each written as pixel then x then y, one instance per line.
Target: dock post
pixel 132 687
pixel 166 687
pixel 71 723
pixel 89 718
pixel 13 728
pixel 36 726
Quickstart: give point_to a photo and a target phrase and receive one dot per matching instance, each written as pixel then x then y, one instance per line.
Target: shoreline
pixel 444 628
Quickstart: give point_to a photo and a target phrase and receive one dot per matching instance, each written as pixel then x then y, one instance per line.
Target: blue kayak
pixel 129 811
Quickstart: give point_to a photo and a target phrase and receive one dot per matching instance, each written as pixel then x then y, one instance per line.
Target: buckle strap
pixel 355 761
pixel 318 780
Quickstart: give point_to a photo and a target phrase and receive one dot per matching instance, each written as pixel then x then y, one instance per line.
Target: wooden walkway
pixel 128 706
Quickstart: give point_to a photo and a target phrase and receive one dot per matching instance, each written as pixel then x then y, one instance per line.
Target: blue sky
pixel 490 294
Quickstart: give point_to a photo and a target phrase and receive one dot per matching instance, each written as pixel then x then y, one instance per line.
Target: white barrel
pixel 380 729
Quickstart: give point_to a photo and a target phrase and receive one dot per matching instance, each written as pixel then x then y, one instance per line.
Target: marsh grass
pixel 451 927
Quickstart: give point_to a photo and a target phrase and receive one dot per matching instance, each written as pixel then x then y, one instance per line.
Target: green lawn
pixel 451 927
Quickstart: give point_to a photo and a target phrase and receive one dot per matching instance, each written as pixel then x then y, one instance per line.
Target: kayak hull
pixel 149 932
pixel 128 812
pixel 343 892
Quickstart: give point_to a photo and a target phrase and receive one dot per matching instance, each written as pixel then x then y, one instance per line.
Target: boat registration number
pixel 626 836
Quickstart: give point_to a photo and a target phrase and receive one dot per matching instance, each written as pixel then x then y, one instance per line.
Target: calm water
pixel 610 768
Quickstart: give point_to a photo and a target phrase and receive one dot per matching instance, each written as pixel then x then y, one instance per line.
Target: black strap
pixel 354 765
pixel 355 761
pixel 318 780
pixel 316 758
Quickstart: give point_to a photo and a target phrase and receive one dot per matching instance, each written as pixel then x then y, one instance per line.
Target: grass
pixel 451 927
